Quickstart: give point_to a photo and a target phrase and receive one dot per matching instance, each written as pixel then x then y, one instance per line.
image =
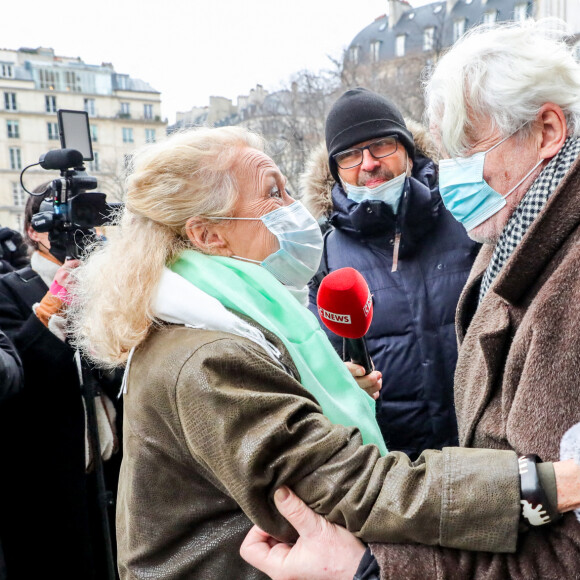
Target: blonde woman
pixel 231 387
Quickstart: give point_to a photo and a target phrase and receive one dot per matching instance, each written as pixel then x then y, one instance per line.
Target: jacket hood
pixel 316 182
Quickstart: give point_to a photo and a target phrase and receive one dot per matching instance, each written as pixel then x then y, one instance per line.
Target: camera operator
pixel 50 521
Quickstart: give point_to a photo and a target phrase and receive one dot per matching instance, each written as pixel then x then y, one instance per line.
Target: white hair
pixel 502 75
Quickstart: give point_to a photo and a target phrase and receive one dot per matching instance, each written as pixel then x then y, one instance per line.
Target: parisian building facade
pixel 404 30
pixel 124 113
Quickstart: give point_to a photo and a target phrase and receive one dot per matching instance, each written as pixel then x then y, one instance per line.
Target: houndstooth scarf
pixel 529 209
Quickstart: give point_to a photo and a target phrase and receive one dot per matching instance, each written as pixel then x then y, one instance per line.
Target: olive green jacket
pixel 213 426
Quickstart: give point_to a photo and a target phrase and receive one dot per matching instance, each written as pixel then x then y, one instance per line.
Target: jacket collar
pixel 559 218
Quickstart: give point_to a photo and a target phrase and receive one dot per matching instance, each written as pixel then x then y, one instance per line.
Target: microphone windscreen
pixel 61 159
pixel 345 304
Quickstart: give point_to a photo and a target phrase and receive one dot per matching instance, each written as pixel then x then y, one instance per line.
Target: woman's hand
pixel 567 485
pixel 324 551
pixel 567 471
pixel 370 383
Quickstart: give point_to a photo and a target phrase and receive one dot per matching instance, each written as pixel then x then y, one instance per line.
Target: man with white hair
pixel 504 106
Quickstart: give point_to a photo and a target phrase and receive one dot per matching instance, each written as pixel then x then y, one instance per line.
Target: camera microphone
pixel 345 306
pixel 61 159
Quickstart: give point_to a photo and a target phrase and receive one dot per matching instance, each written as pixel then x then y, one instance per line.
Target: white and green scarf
pixel 253 292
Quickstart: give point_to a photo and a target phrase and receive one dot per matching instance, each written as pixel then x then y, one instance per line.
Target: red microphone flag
pixel 345 304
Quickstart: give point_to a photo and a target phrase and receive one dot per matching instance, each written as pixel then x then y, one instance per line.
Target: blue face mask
pixel 300 240
pixel 390 192
pixel 465 192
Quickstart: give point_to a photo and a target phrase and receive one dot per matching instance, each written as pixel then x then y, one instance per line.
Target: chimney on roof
pixel 396 9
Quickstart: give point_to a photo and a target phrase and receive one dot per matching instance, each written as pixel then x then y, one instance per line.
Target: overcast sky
pixel 191 49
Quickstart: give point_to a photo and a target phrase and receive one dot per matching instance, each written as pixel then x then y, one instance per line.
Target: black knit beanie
pixel 359 115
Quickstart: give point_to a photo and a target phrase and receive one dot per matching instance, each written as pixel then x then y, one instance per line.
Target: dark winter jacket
pixel 48 518
pixel 412 337
pixel 10 384
pixel 10 369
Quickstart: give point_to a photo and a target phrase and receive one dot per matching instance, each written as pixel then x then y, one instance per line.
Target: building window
pixel 458 29
pixel 12 129
pixel 428 38
pixel 15 158
pixel 48 79
pixel 18 194
pixel 6 70
pixel 90 107
pixel 122 82
pixel 400 45
pixel 127 135
pixel 520 11
pixel 150 135
pixel 125 110
pixel 52 131
pixel 50 103
pixel 354 54
pixel 375 50
pixel 10 102
pixel 95 164
pixel 490 17
pixel 148 111
pixel 72 81
pixel 94 134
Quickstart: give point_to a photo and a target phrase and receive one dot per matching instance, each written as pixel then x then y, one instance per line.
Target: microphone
pixel 345 306
pixel 61 159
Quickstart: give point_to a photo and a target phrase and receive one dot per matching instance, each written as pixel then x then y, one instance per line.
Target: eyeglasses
pixel 378 149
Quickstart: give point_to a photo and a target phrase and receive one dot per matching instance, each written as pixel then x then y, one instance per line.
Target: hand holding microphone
pixel 345 306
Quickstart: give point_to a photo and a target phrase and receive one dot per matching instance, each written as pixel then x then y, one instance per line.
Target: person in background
pixel 376 183
pixel 48 500
pixel 504 104
pixel 10 384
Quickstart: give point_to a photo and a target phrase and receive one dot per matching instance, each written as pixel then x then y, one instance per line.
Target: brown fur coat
pixel 517 387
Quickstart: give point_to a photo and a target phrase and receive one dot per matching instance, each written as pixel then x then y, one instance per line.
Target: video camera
pixel 70 211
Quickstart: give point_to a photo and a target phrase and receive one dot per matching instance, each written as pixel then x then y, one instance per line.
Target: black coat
pixel 49 520
pixel 10 369
pixel 412 336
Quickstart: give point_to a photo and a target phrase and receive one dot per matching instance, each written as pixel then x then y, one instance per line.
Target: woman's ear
pixel 554 130
pixel 32 234
pixel 207 237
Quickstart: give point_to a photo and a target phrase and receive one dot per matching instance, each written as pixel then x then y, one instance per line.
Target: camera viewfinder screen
pixel 74 132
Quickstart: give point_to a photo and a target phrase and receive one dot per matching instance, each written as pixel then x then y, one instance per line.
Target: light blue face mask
pixel 300 240
pixel 465 192
pixel 390 192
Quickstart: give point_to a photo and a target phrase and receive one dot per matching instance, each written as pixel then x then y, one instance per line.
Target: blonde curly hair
pixel 187 175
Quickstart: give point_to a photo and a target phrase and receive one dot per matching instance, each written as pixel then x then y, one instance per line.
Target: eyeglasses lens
pixel 353 157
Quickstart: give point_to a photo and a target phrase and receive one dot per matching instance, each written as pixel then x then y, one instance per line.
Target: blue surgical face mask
pixel 300 240
pixel 465 192
pixel 390 192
